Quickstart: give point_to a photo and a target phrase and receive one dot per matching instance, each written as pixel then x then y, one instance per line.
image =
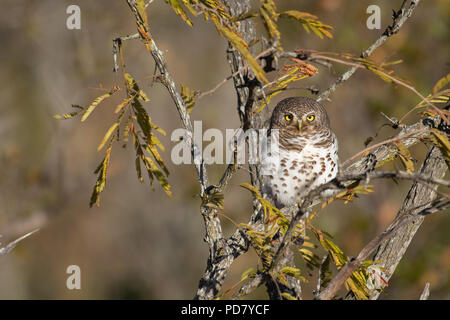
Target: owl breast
pixel 300 165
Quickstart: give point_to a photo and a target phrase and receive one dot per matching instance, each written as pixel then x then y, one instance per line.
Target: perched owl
pixel 307 154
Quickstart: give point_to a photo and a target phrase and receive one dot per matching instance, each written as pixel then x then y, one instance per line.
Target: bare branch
pixel 398 20
pixel 386 75
pixel 5 250
pixel 238 243
pixel 234 74
pixel 223 253
pixel 420 133
pixel 392 243
pixel 390 253
pixel 214 235
pixel 426 292
pixel 249 287
pixel 394 174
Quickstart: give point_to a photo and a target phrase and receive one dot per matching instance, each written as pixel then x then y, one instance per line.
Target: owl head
pixel 299 116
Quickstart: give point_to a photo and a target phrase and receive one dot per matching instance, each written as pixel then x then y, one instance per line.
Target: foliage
pixel 188 96
pixel 139 125
pixel 264 242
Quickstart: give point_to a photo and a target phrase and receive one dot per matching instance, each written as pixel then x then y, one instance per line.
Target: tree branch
pixel 222 257
pixel 214 235
pixel 394 241
pixel 10 246
pixel 358 171
pixel 399 19
pixel 389 253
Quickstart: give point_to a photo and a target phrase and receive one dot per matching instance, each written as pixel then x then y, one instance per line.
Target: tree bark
pixel 416 203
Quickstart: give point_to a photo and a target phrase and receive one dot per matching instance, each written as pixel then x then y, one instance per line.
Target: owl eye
pixel 310 117
pixel 289 117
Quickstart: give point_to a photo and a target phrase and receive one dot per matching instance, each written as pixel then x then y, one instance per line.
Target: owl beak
pixel 299 125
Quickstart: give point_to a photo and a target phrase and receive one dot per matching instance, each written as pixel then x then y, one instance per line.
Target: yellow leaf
pixel 101 179
pixel 443 144
pixel 178 9
pixel 298 15
pixel 107 135
pixel 240 45
pixel 309 21
pixel 288 296
pixel 441 83
pixel 249 273
pixel 188 96
pixel 96 103
pixel 269 24
pixel 65 115
pixel 143 96
pixel 141 9
pixel 250 187
pixel 405 156
pixel 123 104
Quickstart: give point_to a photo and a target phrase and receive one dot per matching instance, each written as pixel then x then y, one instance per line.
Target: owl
pixel 307 153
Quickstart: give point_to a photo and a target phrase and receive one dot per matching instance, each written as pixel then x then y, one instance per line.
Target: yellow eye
pixel 310 118
pixel 289 117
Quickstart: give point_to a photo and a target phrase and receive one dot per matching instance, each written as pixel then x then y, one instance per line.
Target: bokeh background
pixel 140 243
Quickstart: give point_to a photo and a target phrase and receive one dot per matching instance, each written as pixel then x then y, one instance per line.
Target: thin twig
pixel 426 292
pixel 344 273
pixel 234 74
pixel 238 243
pixel 214 236
pixel 5 250
pixel 398 22
pixel 396 238
pixel 337 184
pixel 388 141
pixel 393 79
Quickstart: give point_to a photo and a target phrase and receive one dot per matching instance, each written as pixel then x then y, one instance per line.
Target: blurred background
pixel 141 243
